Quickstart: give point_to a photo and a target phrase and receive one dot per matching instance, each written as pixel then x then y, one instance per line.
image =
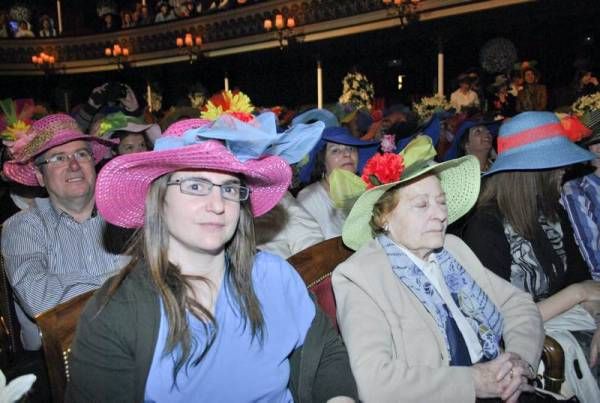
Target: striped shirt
pixel 50 258
pixel 581 199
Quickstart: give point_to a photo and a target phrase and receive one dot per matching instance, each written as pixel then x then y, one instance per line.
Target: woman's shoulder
pixel 369 256
pixel 122 293
pixel 310 192
pixel 269 269
pixel 281 290
pixel 484 216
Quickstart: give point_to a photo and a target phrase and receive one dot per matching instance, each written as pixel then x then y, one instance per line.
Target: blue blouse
pixel 238 368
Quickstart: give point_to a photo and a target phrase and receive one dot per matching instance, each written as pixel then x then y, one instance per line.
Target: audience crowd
pixel 22 22
pixel 475 226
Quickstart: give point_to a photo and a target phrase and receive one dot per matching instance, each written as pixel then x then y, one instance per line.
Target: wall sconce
pixel 44 61
pixel 405 10
pixel 117 53
pixel 284 26
pixel 192 45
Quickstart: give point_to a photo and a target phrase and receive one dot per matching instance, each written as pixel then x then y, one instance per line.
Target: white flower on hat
pixel 16 388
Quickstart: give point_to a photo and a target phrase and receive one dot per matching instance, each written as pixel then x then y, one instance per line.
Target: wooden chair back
pixel 57 327
pixel 315 265
pixel 10 340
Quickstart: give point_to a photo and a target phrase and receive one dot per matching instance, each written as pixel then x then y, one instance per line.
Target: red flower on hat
pixel 382 169
pixel 576 131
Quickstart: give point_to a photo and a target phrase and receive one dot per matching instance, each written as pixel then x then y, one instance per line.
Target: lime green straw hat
pixel 460 179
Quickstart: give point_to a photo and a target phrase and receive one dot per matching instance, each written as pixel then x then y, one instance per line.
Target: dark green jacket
pixel 113 350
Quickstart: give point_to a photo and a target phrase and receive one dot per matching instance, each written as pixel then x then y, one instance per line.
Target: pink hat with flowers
pixel 252 149
pixel 44 134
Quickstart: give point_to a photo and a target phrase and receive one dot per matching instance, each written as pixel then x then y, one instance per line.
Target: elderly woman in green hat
pixel 421 317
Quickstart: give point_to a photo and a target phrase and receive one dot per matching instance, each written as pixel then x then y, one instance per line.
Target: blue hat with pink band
pixel 535 141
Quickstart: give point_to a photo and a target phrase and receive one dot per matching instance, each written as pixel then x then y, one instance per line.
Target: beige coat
pixel 397 352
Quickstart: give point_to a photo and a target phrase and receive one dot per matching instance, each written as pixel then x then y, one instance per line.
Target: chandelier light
pixel 43 59
pixel 192 45
pixel 284 28
pixel 117 53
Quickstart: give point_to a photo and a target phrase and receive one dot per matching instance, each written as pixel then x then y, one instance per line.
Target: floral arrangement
pixel 497 55
pixel 14 123
pixel 345 187
pixel 383 168
pixel 427 106
pixel 236 104
pixel 586 104
pixel 357 91
pixel 576 130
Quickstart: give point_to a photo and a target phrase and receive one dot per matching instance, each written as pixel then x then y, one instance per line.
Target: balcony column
pixel 59 16
pixel 440 68
pixel 319 85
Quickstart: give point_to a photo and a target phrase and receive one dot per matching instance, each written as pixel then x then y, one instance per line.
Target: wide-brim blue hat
pixel 339 135
pixel 492 125
pixel 433 126
pixel 535 141
pixel 316 114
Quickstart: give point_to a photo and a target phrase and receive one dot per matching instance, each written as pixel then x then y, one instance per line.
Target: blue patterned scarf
pixel 481 313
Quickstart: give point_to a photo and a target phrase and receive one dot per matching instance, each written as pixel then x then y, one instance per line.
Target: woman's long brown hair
pixel 151 245
pixel 521 196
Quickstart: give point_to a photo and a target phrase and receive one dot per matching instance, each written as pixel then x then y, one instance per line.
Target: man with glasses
pixel 55 250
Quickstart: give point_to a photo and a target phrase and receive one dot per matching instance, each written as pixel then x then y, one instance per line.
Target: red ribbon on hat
pixel 530 135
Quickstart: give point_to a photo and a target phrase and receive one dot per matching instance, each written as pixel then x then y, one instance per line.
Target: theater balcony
pixel 234 31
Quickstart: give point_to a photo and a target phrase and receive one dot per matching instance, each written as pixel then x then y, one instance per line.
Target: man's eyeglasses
pixel 202 187
pixel 58 160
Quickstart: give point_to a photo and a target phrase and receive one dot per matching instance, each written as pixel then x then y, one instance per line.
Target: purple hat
pixel 339 135
pixel 123 183
pixel 49 132
pixel 535 141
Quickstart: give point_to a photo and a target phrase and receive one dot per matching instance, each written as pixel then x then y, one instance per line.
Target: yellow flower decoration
pixel 12 132
pixel 236 104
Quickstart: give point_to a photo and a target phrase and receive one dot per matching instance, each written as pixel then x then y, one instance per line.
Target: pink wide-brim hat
pixel 123 183
pixel 49 132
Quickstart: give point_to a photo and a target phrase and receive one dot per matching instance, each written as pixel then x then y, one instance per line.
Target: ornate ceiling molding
pixel 237 31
